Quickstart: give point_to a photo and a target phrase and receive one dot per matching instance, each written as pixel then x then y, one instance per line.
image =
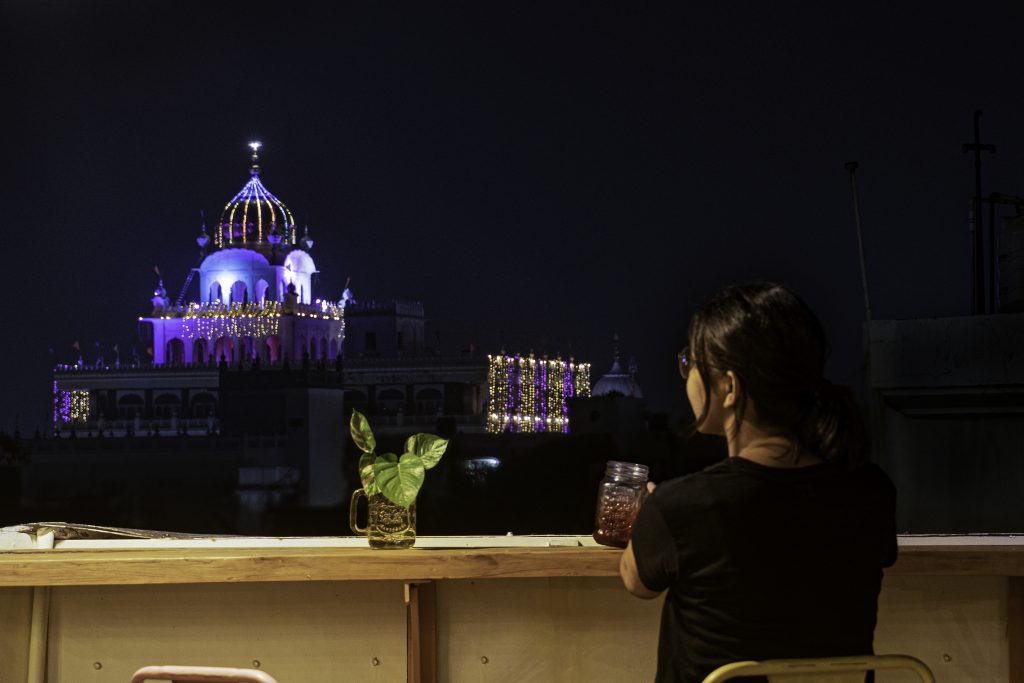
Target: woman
pixel 776 552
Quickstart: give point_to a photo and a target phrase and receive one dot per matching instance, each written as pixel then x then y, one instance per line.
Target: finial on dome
pixel 203 238
pixel 255 168
pixel 615 346
pixel 306 242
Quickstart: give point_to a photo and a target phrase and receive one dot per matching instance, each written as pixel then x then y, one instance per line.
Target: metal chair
pixel 201 674
pixel 820 670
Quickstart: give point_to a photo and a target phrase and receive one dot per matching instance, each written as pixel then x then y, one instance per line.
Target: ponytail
pixel 833 428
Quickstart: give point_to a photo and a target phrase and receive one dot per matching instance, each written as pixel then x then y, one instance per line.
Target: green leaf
pixel 399 479
pixel 429 447
pixel 361 433
pixel 366 474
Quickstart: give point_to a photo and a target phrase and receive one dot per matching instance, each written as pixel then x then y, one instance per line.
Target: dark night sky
pixel 540 176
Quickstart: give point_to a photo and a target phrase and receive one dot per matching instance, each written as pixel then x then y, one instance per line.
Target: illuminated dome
pixel 616 382
pixel 254 217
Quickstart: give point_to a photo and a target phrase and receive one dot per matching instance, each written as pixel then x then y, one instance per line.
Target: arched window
pixel 301 346
pixel 199 351
pixel 262 291
pixel 175 353
pixel 323 348
pixel 391 401
pixel 246 348
pixel 203 404
pixel 273 344
pixel 429 401
pixel 215 293
pixel 334 349
pixel 166 406
pixel 354 398
pixel 129 405
pixel 224 349
pixel 239 293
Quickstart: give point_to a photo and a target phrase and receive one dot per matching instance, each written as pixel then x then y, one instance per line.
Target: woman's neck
pixel 771 450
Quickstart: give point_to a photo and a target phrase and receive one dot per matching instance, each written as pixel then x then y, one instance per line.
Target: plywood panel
pixel 299 632
pixel 955 624
pixel 15 617
pixel 579 630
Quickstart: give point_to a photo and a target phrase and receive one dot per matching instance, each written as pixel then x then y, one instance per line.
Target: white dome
pixel 617 382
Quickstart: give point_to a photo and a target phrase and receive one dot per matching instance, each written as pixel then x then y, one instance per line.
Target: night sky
pixel 540 176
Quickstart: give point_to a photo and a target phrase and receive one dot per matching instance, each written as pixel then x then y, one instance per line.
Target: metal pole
pixel 979 227
pixel 851 167
pixel 977 234
pixel 993 295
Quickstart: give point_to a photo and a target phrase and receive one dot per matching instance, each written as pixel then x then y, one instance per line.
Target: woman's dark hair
pixel 777 348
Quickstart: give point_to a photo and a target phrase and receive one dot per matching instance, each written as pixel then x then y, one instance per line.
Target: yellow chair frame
pixel 820 670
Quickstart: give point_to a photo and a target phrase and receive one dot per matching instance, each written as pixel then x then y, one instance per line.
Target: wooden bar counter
pixel 450 609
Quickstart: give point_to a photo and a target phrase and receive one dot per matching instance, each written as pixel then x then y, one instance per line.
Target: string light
pixel 254 193
pixel 531 395
pixel 70 406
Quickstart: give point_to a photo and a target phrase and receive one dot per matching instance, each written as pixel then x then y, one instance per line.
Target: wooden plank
pixel 15 630
pixel 421 606
pixel 543 630
pixel 170 565
pixel 960 560
pixel 1015 629
pixel 297 633
pixel 202 565
pixel 954 624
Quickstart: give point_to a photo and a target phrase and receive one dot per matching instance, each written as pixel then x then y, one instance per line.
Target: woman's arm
pixel 630 576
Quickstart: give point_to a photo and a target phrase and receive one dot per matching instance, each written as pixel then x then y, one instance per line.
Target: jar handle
pixel 353 509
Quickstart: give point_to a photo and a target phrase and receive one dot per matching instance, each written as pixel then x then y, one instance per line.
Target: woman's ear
pixel 730 389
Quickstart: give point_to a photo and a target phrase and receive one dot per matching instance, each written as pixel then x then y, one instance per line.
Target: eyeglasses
pixel 685 362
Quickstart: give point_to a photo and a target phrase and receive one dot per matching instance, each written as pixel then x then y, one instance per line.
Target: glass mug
pixel 388 526
pixel 619 497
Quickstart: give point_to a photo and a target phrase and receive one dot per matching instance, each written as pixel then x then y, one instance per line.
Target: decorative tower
pixel 255 291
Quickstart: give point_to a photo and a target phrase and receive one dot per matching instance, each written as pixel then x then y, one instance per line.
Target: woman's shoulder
pixel 696 489
pixel 870 474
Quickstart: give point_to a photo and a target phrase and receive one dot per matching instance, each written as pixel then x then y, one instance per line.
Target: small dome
pixel 254 217
pixel 617 382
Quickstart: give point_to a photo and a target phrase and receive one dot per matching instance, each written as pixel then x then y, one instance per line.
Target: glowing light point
pixel 255 146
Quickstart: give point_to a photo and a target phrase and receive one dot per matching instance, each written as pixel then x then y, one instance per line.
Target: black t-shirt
pixel 765 562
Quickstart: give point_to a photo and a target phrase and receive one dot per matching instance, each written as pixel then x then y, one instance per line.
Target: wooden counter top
pixel 117 562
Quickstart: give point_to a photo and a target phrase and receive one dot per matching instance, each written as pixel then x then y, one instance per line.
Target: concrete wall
pixel 947 418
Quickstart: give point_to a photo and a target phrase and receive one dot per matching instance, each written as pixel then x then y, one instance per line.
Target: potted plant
pixel 391 484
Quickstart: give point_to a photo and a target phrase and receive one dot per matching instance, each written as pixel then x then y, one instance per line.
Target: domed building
pixel 257 371
pixel 617 382
pixel 255 291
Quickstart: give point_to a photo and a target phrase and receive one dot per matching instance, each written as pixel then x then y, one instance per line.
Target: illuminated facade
pixel 255 291
pixel 529 395
pixel 252 306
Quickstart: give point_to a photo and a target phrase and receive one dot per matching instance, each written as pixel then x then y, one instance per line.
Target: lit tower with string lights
pixel 255 291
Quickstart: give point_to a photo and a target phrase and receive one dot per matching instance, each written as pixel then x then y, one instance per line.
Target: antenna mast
pixel 851 167
pixel 977 236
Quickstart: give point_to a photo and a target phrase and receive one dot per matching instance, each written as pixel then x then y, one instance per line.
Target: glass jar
pixel 618 499
pixel 388 526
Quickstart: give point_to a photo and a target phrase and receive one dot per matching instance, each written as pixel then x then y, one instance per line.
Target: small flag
pixel 156 269
pixel 76 346
pixel 116 350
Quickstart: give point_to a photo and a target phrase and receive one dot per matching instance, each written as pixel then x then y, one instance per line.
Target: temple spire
pixel 255 168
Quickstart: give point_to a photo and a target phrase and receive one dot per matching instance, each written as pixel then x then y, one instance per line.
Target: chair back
pixel 820 670
pixel 201 674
